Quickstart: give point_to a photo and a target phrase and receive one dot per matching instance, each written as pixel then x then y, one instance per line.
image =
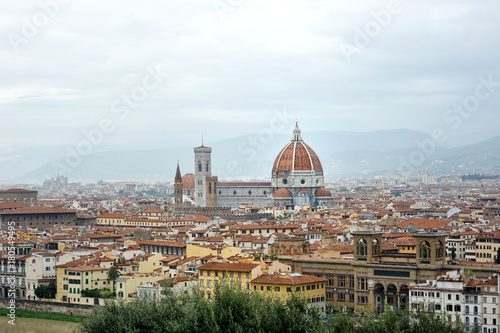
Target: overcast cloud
pixel 226 65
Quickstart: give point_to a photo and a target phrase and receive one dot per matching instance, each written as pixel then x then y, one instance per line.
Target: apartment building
pixel 237 275
pixel 284 285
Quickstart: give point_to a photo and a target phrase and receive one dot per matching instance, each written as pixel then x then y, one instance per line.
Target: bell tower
pixel 202 170
pixel 178 189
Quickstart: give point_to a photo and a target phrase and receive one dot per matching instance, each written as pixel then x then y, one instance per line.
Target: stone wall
pixel 49 307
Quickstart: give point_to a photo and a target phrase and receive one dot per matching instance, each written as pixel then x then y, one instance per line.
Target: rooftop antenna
pixel 202 139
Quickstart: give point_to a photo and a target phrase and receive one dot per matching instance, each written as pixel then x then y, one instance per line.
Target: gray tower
pixel 202 170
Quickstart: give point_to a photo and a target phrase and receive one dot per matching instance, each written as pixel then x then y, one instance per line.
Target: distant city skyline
pixel 165 72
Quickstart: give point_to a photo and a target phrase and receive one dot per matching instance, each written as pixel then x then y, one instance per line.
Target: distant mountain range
pixel 343 154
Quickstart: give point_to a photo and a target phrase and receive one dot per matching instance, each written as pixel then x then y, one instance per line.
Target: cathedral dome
pixel 297 156
pixel 283 193
pixel 323 192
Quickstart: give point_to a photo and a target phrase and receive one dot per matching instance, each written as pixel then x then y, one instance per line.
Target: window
pixel 457 297
pixel 248 275
pixel 209 284
pixel 201 273
pixel 449 297
pixel 288 289
pixel 341 281
pixel 231 274
pixel 362 284
pixel 201 283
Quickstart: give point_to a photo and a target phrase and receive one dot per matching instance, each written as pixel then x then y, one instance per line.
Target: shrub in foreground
pixel 231 310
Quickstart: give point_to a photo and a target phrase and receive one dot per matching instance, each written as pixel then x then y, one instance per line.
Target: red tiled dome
pixel 323 192
pixel 297 155
pixel 283 193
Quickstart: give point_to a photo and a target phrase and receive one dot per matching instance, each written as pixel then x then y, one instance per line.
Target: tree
pixel 453 254
pixel 497 259
pixel 113 274
pixel 46 291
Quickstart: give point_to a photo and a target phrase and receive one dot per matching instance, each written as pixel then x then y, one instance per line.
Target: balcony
pixel 470 313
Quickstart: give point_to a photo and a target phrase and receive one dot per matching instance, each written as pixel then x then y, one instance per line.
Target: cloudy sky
pixel 158 73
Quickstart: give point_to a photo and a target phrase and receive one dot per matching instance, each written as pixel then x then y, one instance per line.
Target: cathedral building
pixel 296 179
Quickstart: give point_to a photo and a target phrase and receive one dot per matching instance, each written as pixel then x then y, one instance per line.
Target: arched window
pixel 210 188
pixel 361 248
pixel 439 249
pixel 206 167
pixel 425 250
pixel 375 247
pixel 199 166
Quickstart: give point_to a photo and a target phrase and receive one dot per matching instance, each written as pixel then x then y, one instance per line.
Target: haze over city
pixel 165 73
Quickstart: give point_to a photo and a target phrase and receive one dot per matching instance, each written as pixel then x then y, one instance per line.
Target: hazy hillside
pixel 343 154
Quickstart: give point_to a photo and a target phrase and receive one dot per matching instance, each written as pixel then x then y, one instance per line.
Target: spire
pixel 178 177
pixel 296 132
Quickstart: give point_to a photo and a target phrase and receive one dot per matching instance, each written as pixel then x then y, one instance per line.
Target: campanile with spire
pixel 178 189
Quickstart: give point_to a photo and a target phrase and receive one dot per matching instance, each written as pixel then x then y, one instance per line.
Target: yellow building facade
pixel 237 275
pixel 72 280
pixel 193 250
pixel 284 285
